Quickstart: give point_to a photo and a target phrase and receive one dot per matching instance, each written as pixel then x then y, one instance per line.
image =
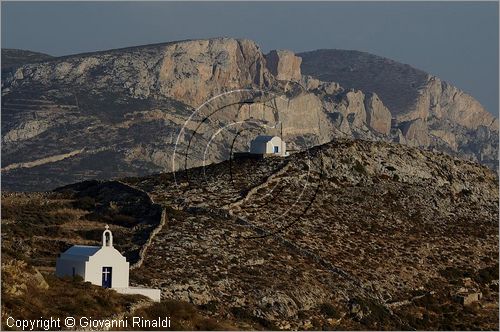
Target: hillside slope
pixel 130 111
pixel 346 235
pixel 15 58
pixel 351 225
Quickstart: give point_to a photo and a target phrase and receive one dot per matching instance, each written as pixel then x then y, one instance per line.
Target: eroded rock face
pixel 415 132
pixel 459 107
pixel 447 137
pixel 378 117
pixel 128 106
pixel 419 102
pixel 355 108
pixel 194 70
pixel 188 71
pixel 284 65
pixel 445 102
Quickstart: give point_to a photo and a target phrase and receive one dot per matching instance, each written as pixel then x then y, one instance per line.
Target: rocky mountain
pixel 348 235
pixel 183 104
pixel 427 110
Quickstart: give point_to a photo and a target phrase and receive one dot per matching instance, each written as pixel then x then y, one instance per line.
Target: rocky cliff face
pixel 429 112
pixel 378 117
pixel 284 65
pixel 187 71
pixel 182 104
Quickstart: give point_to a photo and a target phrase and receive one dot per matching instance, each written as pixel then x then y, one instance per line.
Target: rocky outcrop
pixel 415 132
pixel 188 71
pixel 284 65
pixel 395 83
pixel 378 117
pixel 19 278
pixel 203 99
pixel 353 108
pixel 416 100
pixel 25 130
pixel 446 136
pixel 195 70
pixel 445 102
pixel 463 109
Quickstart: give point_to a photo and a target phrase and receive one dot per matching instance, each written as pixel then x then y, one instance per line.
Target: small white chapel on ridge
pixel 268 145
pixel 103 266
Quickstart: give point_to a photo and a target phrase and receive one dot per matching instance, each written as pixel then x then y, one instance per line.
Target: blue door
pixel 276 149
pixel 106 276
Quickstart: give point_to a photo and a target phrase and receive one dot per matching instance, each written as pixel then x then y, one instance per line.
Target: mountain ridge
pixel 12 57
pixel 112 101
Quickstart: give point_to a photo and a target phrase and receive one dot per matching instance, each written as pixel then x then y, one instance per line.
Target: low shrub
pixel 182 315
pixel 329 310
pixel 359 167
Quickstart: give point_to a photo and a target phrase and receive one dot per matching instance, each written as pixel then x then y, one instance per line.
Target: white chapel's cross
pixel 106 272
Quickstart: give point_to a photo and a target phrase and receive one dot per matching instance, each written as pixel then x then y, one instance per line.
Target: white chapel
pixel 268 145
pixel 103 266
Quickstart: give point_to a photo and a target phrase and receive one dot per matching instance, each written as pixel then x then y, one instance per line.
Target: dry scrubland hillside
pixel 119 113
pixel 37 227
pixel 346 235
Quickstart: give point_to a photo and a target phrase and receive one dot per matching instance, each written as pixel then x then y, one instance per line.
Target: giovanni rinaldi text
pixel 86 322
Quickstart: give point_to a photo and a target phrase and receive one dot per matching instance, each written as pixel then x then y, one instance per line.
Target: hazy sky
pixel 457 41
